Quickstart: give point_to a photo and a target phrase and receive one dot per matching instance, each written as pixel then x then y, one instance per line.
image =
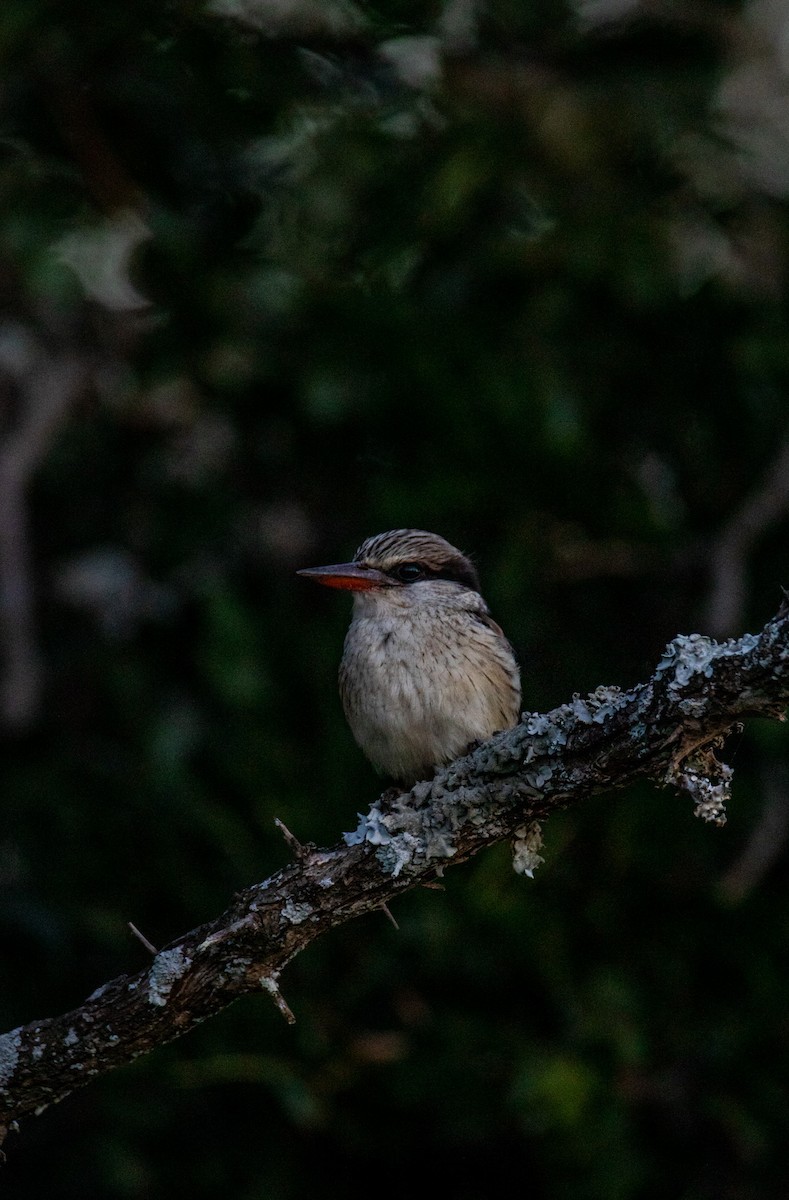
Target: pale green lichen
pixel 526 843
pixel 694 654
pixel 686 656
pixel 605 701
pixel 402 851
pixel 270 984
pixel 295 913
pixel 10 1045
pixel 235 969
pixel 167 969
pixel 371 828
pixel 710 796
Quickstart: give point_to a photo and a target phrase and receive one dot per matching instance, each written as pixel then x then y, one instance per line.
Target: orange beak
pixel 349 576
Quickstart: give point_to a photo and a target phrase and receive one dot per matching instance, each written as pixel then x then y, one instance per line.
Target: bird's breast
pixel 418 688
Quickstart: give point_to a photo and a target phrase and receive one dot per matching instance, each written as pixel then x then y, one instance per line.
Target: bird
pixel 425 671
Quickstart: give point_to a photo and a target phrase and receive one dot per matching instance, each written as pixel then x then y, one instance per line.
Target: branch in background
pixel 49 388
pixel 663 730
pixel 729 553
pixel 767 841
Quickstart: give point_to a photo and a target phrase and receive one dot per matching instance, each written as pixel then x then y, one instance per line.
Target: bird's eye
pixel 408 572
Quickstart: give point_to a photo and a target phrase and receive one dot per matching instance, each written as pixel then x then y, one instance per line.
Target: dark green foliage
pixel 537 307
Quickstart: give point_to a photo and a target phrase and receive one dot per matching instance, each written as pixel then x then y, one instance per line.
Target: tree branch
pixel 663 730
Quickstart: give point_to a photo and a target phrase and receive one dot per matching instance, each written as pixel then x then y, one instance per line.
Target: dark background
pixel 277 277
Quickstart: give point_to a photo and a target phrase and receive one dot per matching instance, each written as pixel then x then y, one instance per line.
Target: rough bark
pixel 664 730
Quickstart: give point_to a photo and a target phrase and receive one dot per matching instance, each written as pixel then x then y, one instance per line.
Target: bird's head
pixel 400 559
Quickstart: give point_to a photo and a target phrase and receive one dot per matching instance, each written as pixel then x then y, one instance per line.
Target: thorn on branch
pixel 142 938
pixel 299 851
pixel 388 913
pixel 271 984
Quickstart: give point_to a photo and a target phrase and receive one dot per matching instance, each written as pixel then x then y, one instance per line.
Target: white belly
pixel 416 693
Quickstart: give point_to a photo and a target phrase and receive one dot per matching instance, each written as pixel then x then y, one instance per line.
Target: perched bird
pixel 425 670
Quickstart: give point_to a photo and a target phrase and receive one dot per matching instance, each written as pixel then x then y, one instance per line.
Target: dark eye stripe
pixel 454 572
pixel 458 574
